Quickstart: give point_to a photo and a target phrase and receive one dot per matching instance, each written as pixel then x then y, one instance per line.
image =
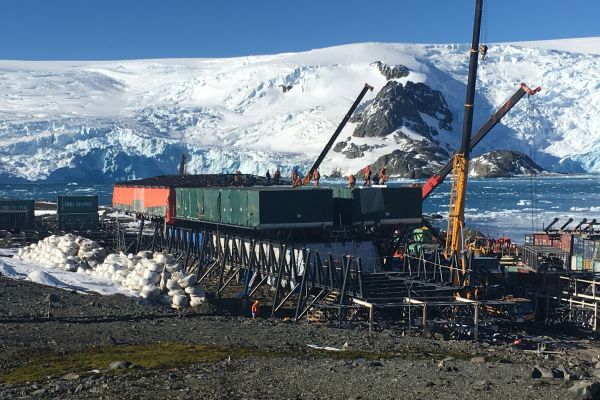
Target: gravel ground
pixel 261 359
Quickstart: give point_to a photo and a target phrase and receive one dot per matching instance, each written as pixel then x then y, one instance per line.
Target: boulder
pixel 585 390
pixel 538 372
pixel 121 364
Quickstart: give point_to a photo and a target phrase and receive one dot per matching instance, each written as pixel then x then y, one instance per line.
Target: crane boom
pixel 438 178
pixel 460 165
pixel 335 135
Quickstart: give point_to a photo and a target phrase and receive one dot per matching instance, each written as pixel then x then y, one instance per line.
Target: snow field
pixel 230 114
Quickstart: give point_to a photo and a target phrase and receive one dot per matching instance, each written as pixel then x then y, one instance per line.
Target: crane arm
pixel 438 178
pixel 335 135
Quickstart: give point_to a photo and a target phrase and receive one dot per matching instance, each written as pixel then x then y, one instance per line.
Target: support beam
pixel 370 307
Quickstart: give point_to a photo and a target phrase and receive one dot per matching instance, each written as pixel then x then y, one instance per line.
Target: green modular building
pixel 77 212
pixel 17 214
pixel 370 206
pixel 285 207
pixel 257 207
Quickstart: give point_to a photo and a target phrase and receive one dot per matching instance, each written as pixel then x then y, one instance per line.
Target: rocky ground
pixel 115 347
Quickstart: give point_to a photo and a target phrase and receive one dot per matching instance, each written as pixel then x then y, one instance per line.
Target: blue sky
pixel 125 29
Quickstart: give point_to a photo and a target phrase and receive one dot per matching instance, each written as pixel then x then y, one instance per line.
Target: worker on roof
pixel 277 176
pixel 383 178
pixel 375 179
pixel 296 181
pixel 367 174
pixel 254 309
pixel 316 176
pixel 483 49
pixel 268 176
pixel 351 181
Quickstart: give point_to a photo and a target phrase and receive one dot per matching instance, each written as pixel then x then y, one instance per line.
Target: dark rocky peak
pixel 413 159
pixel 351 150
pixel 397 106
pixel 392 71
pixel 404 164
pixel 503 163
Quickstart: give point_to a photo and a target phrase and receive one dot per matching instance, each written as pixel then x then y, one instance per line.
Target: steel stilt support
pixel 262 281
pixel 476 322
pixel 201 255
pixel 278 278
pixel 313 301
pixel 140 235
pixel 222 264
pixel 346 268
pixel 307 268
pixel 250 269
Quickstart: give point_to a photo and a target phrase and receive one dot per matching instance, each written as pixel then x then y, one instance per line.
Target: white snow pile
pixel 68 252
pixel 156 277
pixel 44 278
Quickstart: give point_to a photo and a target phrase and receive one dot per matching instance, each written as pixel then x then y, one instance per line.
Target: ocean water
pixel 517 206
pixel 497 207
pixel 50 191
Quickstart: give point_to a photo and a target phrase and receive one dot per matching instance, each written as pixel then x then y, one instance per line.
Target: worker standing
pixel 255 309
pixel 296 181
pixel 367 173
pixel 277 176
pixel 294 176
pixel 383 178
pixel 268 176
pixel 483 49
pixel 351 181
pixel 316 177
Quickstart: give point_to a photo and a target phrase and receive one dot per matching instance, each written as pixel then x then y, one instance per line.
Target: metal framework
pixel 572 299
pixel 302 283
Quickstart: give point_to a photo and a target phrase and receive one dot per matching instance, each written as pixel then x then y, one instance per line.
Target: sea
pixel 496 207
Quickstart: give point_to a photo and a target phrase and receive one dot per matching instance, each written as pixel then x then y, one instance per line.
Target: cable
pixel 533 181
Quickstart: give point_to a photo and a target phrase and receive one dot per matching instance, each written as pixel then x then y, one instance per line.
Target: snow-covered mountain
pixel 126 119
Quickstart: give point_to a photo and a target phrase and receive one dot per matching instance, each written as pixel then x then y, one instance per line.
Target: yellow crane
pixel 454 249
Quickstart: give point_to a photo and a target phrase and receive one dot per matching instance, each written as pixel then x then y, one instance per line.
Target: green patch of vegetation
pixel 169 355
pixel 161 355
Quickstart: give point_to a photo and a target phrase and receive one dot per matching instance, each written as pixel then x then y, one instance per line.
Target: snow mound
pixel 155 277
pixel 9 271
pixel 44 278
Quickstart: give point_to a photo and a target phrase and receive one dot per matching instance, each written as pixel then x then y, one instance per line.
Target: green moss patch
pixel 43 365
pixel 161 355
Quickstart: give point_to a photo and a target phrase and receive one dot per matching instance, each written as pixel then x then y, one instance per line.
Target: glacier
pixel 112 120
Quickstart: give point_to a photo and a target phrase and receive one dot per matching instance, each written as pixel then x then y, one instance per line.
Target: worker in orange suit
pixel 351 181
pixel 296 181
pixel 367 173
pixel 316 177
pixel 255 309
pixel 277 176
pixel 383 178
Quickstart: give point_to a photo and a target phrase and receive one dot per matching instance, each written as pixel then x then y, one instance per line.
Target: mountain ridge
pixel 129 119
